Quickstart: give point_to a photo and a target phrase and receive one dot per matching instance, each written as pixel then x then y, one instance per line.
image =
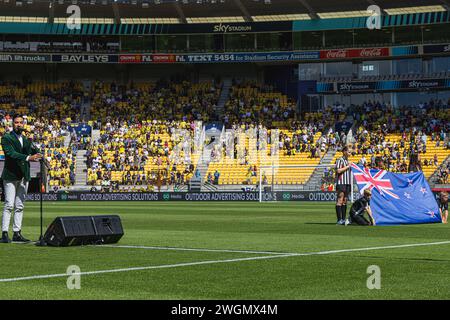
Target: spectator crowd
pixel 147 130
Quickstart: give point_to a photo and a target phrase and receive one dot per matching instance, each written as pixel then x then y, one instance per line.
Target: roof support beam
pixel 116 11
pixel 446 4
pixel 180 12
pixel 245 14
pixel 311 12
pixel 51 11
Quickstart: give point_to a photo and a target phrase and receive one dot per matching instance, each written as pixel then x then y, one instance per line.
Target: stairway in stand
pixel 80 170
pixel 314 182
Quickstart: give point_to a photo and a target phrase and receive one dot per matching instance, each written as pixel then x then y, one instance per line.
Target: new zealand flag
pixel 398 198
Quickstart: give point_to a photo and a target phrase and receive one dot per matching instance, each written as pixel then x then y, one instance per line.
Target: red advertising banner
pixel 354 53
pixel 164 58
pixel 130 58
pixel 147 58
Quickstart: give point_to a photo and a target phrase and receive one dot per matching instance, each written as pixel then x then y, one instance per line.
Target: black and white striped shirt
pixel 344 177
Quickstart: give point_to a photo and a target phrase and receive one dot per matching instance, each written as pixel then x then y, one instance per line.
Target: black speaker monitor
pixel 109 228
pixel 73 231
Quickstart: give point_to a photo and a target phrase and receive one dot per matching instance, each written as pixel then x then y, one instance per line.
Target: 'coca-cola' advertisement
pixel 354 53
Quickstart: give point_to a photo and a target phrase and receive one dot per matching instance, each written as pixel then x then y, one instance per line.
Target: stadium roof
pixel 205 11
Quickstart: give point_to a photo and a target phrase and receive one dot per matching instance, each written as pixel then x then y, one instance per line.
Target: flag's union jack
pixel 367 180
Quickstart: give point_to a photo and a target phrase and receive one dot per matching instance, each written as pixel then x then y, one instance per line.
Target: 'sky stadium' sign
pixel 384 85
pixel 440 48
pixel 226 28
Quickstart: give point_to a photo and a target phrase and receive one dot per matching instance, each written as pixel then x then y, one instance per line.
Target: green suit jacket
pixel 16 164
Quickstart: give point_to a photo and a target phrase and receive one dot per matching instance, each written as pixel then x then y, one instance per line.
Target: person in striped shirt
pixel 343 181
pixel 443 206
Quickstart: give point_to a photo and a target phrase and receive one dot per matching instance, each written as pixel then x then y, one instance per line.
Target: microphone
pixel 33 144
pixel 22 130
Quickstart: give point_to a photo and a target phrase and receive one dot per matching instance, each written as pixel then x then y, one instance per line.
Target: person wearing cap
pixel 19 151
pixel 358 209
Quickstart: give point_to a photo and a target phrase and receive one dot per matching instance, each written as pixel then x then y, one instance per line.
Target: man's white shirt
pixel 20 138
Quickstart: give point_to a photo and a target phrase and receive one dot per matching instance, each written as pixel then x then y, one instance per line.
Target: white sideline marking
pixel 60 275
pixel 373 248
pixel 192 249
pixel 141 268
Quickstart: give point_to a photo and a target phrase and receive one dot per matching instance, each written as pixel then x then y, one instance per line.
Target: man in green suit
pixel 19 151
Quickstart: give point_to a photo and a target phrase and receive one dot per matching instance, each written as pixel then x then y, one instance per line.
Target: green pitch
pixel 244 252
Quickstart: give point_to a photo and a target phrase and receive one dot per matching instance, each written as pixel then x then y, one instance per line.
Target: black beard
pixel 18 130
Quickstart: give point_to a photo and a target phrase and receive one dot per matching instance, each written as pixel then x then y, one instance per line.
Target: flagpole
pixel 351 186
pixel 41 242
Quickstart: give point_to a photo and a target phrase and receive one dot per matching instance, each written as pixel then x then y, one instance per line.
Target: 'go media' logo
pixel 74 20
pixel 286 196
pixel 166 196
pixel 374 21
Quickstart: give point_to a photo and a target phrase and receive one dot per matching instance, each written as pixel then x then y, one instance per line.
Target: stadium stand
pixel 57 100
pixel 174 100
pixel 256 103
pixel 141 154
pixel 137 148
pixel 394 134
